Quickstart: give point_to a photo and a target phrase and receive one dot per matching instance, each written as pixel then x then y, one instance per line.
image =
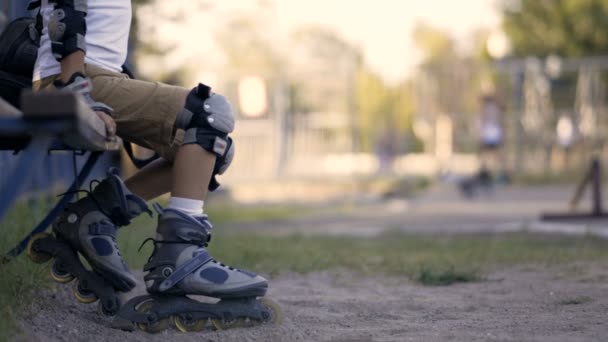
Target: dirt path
pixel 524 304
pixel 442 210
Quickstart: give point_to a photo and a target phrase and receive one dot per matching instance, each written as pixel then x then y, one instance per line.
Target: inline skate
pixel 88 228
pixel 180 266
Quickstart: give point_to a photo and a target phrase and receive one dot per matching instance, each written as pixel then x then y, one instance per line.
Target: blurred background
pixel 395 137
pixel 336 90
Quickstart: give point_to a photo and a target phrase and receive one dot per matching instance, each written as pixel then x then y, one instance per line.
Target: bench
pixel 48 121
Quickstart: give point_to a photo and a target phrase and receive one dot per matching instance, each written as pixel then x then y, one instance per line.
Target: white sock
pixel 186 205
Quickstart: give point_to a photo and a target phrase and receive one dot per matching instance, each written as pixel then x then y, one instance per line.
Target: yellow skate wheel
pixel 152 327
pixel 276 314
pixel 221 324
pixel 184 324
pixel 38 257
pixel 217 324
pixel 82 295
pixel 59 274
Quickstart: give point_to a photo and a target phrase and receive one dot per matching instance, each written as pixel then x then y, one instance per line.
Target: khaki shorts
pixel 144 112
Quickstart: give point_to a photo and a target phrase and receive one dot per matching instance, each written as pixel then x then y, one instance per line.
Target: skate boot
pixel 88 227
pixel 179 266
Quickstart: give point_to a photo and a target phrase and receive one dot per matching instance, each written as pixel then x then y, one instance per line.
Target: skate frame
pixel 49 121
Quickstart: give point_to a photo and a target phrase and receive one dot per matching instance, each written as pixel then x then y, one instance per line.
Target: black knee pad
pixel 67 27
pixel 207 119
pixel 222 163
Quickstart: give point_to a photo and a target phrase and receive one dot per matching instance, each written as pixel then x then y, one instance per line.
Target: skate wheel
pixel 156 325
pixel 82 295
pixel 221 324
pixel 108 308
pixel 185 324
pixel 275 314
pixel 35 256
pixel 59 274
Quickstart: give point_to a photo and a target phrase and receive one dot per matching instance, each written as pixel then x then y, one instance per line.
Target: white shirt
pixel 107 37
pixel 491 131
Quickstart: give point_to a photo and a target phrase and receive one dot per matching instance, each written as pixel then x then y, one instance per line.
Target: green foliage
pixel 435 44
pixel 323 65
pixel 247 48
pixel 383 111
pixel 567 28
pixel 450 81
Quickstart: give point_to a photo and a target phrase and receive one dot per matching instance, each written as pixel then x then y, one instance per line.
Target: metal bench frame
pixel 48 121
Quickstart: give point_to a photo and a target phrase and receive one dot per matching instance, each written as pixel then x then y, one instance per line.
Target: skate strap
pixel 182 272
pixel 102 228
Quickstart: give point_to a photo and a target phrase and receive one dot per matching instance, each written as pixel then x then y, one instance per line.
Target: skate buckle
pixel 184 271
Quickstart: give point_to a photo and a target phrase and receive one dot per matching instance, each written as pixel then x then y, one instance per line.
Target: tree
pixel 449 81
pixel 568 28
pixel 323 67
pixel 383 111
pixel 436 45
pixel 248 47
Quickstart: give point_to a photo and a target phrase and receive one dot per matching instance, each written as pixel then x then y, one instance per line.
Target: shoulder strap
pixel 33 4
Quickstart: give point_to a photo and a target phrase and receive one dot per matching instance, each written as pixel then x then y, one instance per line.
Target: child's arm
pixel 67 30
pixel 74 63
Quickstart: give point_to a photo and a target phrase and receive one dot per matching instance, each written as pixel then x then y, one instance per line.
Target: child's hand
pixel 110 125
pixel 82 85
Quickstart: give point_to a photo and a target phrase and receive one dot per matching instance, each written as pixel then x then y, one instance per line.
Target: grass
pixel 425 259
pixel 243 214
pixel 21 279
pixel 428 260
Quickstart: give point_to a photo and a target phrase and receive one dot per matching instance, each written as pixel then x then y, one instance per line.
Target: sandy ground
pixel 530 303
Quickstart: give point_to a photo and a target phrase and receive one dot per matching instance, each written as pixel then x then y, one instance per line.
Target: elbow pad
pixel 67 27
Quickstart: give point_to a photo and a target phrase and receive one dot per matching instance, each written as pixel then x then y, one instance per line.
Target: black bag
pixel 11 86
pixel 19 47
pixel 18 52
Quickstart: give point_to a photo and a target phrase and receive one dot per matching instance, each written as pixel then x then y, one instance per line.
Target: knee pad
pixel 67 27
pixel 221 165
pixel 207 119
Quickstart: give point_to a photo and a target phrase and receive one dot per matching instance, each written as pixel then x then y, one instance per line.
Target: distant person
pixel 386 149
pixel 491 138
pixel 490 126
pixel 82 49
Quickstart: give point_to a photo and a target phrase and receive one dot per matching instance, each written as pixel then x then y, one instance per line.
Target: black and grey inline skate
pixel 181 266
pixel 88 228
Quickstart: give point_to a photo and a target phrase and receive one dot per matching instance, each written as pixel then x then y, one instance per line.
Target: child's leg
pixel 192 171
pixel 153 180
pixel 180 261
pixel 187 177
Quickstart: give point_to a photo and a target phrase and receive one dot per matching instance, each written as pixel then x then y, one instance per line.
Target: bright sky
pixel 382 28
